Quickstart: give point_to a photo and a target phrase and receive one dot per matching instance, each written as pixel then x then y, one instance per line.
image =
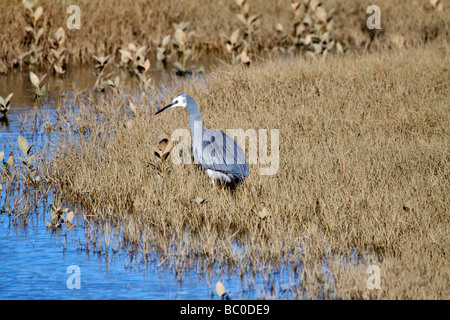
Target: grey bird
pixel 219 154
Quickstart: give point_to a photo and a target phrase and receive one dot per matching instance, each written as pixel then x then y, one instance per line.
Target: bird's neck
pixel 197 129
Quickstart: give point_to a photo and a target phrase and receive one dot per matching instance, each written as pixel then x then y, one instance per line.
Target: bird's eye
pixel 176 101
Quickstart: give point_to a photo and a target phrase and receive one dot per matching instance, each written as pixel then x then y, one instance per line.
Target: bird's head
pixel 180 101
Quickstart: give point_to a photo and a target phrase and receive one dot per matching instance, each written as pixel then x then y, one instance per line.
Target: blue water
pixel 36 264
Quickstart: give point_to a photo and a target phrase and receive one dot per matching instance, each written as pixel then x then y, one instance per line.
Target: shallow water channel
pixel 39 263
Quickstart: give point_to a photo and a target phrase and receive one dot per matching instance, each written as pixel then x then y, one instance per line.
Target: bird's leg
pixel 221 185
pixel 217 184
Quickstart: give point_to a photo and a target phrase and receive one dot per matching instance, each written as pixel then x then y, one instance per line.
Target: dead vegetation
pixel 363 175
pixel 252 30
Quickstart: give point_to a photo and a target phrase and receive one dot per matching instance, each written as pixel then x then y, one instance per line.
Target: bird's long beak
pixel 166 107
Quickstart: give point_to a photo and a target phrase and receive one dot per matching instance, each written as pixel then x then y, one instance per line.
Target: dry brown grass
pixel 108 25
pixel 360 136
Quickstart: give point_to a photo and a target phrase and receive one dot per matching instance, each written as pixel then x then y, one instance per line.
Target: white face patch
pixel 179 102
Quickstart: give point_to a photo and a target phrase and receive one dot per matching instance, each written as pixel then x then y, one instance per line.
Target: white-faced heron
pixel 217 152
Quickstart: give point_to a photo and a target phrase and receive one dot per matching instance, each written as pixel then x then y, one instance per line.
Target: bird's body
pixel 217 152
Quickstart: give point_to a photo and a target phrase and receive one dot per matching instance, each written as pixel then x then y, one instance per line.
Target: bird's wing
pixel 222 153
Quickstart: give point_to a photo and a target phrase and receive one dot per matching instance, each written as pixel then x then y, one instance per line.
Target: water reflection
pixel 35 263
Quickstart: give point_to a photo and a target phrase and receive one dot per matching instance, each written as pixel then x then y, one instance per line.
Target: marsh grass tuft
pixel 220 289
pixel 58 52
pixel 163 149
pixel 5 104
pixel 134 58
pixel 58 219
pixel 181 40
pixel 103 81
pixel 250 23
pixel 38 85
pixel 22 190
pixel 163 51
pixel 36 29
